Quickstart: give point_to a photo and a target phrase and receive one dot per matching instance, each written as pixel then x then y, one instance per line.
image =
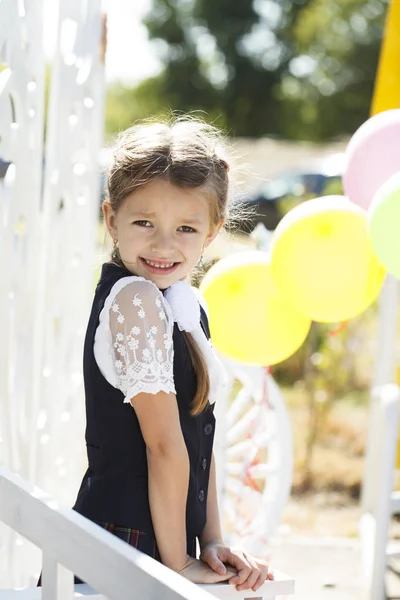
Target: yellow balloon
pixel 249 321
pixel 322 259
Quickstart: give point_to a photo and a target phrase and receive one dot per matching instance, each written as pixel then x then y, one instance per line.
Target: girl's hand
pixel 251 572
pixel 198 572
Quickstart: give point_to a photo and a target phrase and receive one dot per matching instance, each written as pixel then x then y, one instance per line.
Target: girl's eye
pixel 142 223
pixel 187 229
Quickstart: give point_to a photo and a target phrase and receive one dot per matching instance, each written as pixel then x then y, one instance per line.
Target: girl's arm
pixel 168 472
pixel 251 572
pixel 212 529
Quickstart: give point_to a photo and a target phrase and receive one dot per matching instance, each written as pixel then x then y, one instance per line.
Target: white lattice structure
pixel 47 244
pixel 254 456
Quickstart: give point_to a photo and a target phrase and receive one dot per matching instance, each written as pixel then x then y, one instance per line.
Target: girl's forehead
pixel 162 197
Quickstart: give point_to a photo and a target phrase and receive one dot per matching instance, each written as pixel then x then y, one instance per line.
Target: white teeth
pixel 158 265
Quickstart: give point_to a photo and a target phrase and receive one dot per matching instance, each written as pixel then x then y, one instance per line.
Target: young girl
pixel 150 374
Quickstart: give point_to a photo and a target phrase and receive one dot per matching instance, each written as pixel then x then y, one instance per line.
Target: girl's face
pixel 161 231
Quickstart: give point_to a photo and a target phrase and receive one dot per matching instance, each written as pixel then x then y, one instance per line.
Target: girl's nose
pixel 162 244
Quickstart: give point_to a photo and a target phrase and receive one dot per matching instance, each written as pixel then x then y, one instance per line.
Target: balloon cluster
pixel 327 261
pixel 372 180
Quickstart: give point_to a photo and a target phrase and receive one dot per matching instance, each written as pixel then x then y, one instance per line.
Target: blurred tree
pixel 181 86
pixel 171 25
pixel 302 69
pixel 328 367
pixel 245 62
pixel 327 89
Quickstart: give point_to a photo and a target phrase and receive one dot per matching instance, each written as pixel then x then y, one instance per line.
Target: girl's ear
pixel 213 234
pixel 109 219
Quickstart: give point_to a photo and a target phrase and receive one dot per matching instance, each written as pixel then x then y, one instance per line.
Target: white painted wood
pixel 395 503
pixel 57 581
pixel 49 210
pixel 21 144
pixel 108 564
pixel 386 353
pixel 255 420
pixel 73 544
pixel 378 487
pixel 65 271
pixel 282 586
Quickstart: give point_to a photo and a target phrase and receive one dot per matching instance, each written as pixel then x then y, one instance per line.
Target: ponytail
pixel 201 370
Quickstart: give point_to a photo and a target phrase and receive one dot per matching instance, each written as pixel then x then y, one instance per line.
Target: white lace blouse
pixel 133 344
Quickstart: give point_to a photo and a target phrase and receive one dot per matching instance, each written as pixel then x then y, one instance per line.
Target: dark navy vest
pixel 115 485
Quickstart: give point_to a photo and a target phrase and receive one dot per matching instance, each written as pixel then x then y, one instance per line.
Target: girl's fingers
pixel 216 565
pixel 227 556
pixel 211 558
pixel 251 572
pixel 261 578
pixel 237 560
pixel 242 566
pixel 260 581
pixel 253 575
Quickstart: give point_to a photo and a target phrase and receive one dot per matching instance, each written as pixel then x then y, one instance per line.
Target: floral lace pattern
pixel 141 327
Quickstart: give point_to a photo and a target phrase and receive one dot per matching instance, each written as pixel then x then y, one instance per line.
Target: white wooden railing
pixel 72 544
pixel 379 501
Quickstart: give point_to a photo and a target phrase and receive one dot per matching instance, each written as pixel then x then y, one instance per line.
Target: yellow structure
pixel 387 84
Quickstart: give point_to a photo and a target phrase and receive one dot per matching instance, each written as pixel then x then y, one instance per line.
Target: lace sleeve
pixel 141 328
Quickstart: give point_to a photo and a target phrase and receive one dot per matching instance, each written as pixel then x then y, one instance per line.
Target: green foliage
pixel 246 93
pixel 126 105
pixel 328 87
pixel 329 366
pixel 299 69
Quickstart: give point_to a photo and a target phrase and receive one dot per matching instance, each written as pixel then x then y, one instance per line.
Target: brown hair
pixel 188 153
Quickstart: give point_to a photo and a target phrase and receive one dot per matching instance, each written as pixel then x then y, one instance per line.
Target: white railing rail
pixel 72 544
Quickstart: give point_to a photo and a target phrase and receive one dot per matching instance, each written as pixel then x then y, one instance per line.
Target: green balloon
pixel 384 224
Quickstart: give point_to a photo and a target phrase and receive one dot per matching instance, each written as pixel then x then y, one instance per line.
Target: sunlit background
pixel 289 81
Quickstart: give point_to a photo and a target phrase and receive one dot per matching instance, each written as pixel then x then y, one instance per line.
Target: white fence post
pixel 378 487
pixel 57 581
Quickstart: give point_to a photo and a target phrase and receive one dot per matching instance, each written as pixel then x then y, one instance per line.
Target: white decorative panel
pixel 254 456
pixel 70 221
pixel 21 134
pixel 21 143
pixel 49 204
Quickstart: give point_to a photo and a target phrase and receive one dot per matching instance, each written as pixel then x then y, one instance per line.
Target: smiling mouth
pixel 156 266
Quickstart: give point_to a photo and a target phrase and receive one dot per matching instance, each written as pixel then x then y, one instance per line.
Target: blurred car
pixel 277 196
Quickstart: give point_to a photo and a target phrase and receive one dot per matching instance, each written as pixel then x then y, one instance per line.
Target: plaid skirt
pixel 145 542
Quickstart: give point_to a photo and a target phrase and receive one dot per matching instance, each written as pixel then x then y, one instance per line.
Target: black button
pixel 203 463
pixel 201 495
pixel 207 428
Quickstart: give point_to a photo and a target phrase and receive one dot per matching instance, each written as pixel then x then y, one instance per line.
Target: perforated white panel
pixel 49 204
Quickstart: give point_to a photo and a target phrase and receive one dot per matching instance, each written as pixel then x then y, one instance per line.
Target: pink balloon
pixel 373 155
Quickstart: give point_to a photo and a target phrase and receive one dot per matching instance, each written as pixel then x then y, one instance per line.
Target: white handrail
pixel 73 544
